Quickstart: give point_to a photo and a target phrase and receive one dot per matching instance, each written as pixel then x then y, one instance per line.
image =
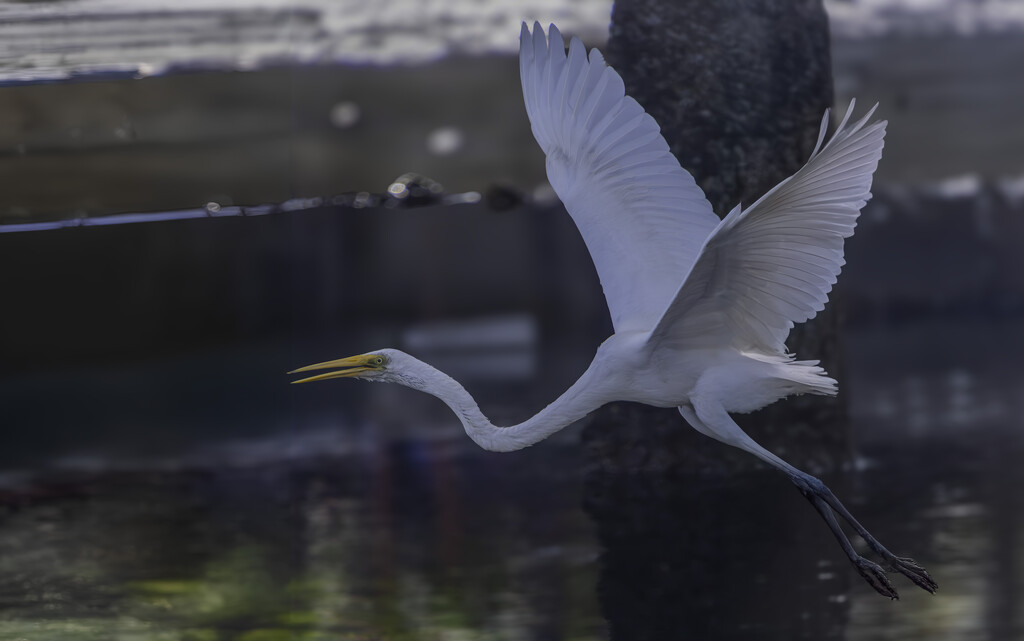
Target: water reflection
pixel 969 516
pixel 686 557
pixel 435 540
pixel 417 542
pixel 692 558
pixel 385 522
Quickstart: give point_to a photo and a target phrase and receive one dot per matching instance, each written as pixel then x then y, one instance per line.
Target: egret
pixel 701 306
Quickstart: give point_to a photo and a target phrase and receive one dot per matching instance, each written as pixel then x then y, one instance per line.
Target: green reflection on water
pixel 367 554
pixel 237 591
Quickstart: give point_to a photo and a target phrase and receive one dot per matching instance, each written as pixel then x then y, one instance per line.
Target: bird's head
pixel 383 365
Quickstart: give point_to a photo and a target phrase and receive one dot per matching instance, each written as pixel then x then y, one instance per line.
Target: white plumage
pixel 773 264
pixel 641 214
pixel 701 307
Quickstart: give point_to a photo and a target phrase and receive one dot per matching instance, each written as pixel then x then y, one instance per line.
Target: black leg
pixel 824 501
pixel 715 422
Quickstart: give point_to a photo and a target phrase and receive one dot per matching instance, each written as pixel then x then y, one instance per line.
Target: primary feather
pixel 640 213
pixel 772 265
pixel 666 262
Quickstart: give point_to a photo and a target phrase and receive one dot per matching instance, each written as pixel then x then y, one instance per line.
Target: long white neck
pixel 578 401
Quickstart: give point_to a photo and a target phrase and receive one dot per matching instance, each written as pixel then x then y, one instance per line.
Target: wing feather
pixel 641 215
pixel 773 265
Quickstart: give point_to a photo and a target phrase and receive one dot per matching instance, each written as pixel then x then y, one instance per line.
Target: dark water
pixel 365 524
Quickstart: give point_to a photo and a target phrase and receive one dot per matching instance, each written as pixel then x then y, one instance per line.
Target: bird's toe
pixel 910 569
pixel 876 578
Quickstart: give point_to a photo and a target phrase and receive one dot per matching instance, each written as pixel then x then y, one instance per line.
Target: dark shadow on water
pixel 747 558
pixel 694 558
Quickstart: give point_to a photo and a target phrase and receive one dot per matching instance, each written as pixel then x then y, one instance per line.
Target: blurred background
pixel 196 198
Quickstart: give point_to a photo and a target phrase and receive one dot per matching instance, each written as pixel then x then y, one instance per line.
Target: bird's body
pixel 628 368
pixel 701 306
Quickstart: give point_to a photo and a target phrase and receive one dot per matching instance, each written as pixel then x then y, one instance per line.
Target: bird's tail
pixel 810 376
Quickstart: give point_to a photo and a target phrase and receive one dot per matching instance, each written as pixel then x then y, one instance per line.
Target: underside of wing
pixel 772 265
pixel 641 215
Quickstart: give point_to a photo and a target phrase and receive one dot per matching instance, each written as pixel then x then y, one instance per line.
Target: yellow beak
pixel 345 367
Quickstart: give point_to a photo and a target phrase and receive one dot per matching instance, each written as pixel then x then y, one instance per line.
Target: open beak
pixel 344 367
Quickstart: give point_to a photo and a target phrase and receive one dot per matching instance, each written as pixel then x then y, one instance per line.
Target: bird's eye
pixel 378 361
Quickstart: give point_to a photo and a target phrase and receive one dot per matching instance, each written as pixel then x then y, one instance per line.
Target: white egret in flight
pixel 701 306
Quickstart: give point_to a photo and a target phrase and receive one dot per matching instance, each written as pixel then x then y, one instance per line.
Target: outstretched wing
pixel 773 265
pixel 641 215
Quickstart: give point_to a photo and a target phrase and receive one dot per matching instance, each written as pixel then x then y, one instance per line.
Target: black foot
pixel 875 576
pixel 825 502
pixel 914 572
